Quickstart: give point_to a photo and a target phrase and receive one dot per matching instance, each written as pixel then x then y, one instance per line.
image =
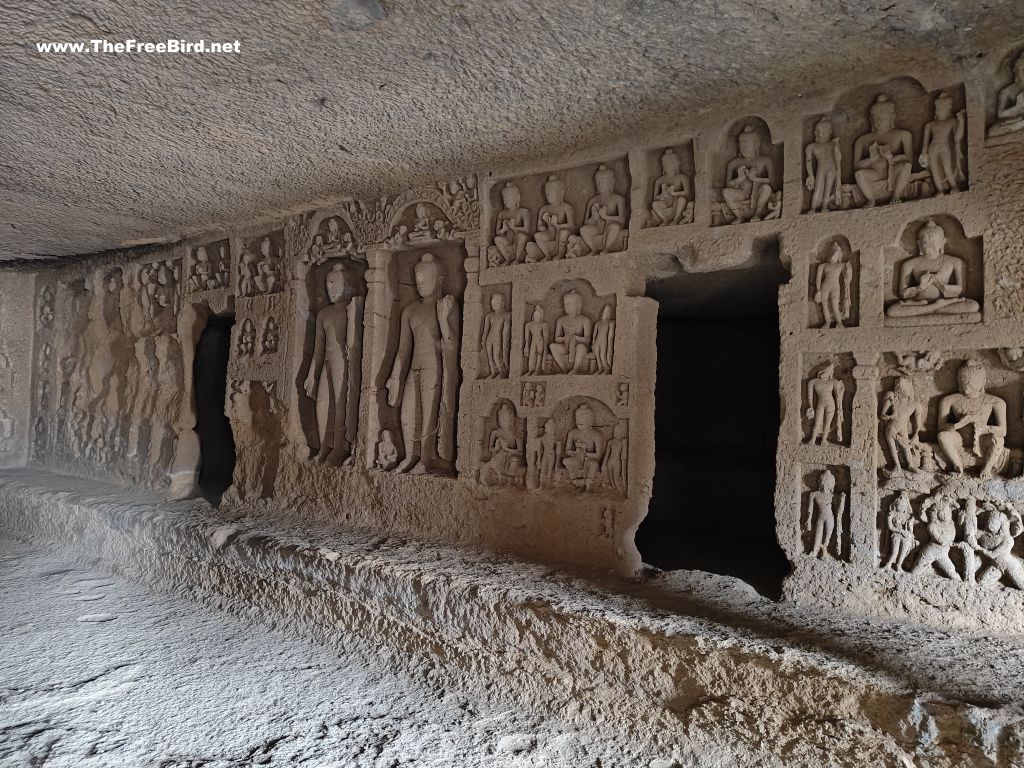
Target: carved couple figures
pixel 423 382
pixel 931 283
pixel 335 371
pixel 208 274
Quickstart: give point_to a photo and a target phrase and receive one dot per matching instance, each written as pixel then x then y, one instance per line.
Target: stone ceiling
pixel 336 98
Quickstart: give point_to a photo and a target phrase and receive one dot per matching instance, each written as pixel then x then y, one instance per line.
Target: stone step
pixel 637 661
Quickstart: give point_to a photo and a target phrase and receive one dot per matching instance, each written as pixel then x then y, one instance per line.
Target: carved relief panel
pixel 570 331
pixel 254 409
pixel 259 266
pixel 417 365
pixel 1006 110
pixel 568 214
pixel 209 267
pixel 825 505
pixel 671 198
pixel 747 174
pixel 885 144
pixel 332 279
pixel 834 285
pixel 827 399
pixel 934 275
pixel 496 333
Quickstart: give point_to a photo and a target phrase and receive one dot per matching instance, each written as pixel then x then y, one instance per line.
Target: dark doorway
pixel 210 378
pixel 716 426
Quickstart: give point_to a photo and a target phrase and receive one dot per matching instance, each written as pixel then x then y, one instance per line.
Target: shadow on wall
pixel 216 441
pixel 716 427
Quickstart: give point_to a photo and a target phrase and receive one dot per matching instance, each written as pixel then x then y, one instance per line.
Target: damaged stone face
pixel 474 360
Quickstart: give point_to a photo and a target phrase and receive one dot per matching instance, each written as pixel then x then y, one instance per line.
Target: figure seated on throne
pixel 506 466
pixel 932 283
pixel 972 407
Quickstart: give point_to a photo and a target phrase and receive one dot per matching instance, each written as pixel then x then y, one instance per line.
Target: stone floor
pixel 96 671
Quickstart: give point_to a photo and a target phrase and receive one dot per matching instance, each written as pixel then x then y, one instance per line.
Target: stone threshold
pixel 755 685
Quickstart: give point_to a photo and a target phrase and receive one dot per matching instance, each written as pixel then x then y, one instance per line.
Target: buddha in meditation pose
pixel 883 157
pixel 931 283
pixel 748 179
pixel 1010 104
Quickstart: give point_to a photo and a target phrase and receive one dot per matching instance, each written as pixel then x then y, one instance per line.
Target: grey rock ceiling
pixel 358 97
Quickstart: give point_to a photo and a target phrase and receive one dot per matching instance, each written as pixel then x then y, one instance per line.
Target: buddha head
pixel 549 427
pixel 265 247
pixel 506 416
pixel 827 371
pixel 882 114
pixel 428 276
pixel 497 302
pixel 554 190
pixel 749 142
pixel 332 226
pixel 931 240
pixel 823 130
pixel 971 378
pixel 538 313
pixel 827 482
pixel 837 253
pixel 943 106
pixel 621 428
pixel 584 417
pixel 670 163
pixel 572 302
pixel 510 196
pixel 604 180
pixel 336 284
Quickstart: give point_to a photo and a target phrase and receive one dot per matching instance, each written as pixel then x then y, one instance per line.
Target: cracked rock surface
pixel 99 672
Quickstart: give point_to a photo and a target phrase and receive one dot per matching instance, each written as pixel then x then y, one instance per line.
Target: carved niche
pixel 828 400
pixel 496 333
pixel 834 278
pixel 332 273
pixel 259 266
pixel 568 214
pixel 503 461
pixel 825 493
pixel 748 175
pixel 46 308
pixel 935 275
pixel 6 375
pixel 671 197
pixel 254 409
pixel 953 442
pixel 418 380
pixel 209 267
pixel 571 331
pixel 1006 112
pixel 885 144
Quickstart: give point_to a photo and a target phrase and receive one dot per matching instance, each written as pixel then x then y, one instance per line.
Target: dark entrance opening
pixel 717 424
pixel 210 379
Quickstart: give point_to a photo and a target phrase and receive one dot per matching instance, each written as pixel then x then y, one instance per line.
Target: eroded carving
pixel 825 406
pixel 496 337
pixel 259 269
pixel 833 291
pixel 824 167
pixel 672 201
pixel 534 394
pixel 983 414
pixel 903 416
pixel 505 464
pixel 46 301
pixel 751 190
pixel 247 338
pixel 209 272
pixel 271 337
pixel 942 152
pixel 1010 105
pixel 825 518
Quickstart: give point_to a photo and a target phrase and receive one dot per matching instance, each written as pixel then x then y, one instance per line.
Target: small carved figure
pixel 495 337
pixel 400 237
pixel 247 272
pixel 911 362
pixel 1010 104
pixel 534 394
pixel 825 405
pixel 937 514
pixel 247 339
pixel 900 521
pixel 335 366
pixel 512 227
pixel 673 193
pixel 822 516
pixel 584 448
pixel 505 466
pixel 823 164
pixel 387 452
pixel 984 413
pixel 942 151
pixel 424 378
pixel 903 417
pixel 556 221
pixel 604 340
pixel 271 337
pixel 1012 358
pixel 748 179
pixel 833 283
pixel 995 540
pixel 202 271
pixel 268 269
pixel 422 228
pixel 536 342
pixel 622 394
pixel 616 456
pixel 46 307
pixel 573 332
pixel 931 283
pixel 883 157
pixel 604 225
pixel 551 452
pixel 534 456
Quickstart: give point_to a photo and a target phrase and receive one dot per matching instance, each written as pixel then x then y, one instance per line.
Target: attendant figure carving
pixel 900 521
pixel 823 164
pixel 496 336
pixel 604 340
pixel 825 405
pixel 942 151
pixel 903 417
pixel 424 378
pixel 536 342
pixel 833 282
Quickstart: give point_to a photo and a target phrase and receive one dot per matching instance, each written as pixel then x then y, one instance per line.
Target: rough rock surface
pixel 99 672
pixel 316 107
pixel 756 685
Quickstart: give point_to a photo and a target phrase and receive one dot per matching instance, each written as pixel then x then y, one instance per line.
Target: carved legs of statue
pixel 421 402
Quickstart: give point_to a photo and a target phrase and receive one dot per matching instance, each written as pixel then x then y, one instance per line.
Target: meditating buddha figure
pixel 931 283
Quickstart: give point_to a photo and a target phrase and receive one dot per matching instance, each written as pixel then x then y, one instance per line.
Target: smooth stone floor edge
pixel 710 696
